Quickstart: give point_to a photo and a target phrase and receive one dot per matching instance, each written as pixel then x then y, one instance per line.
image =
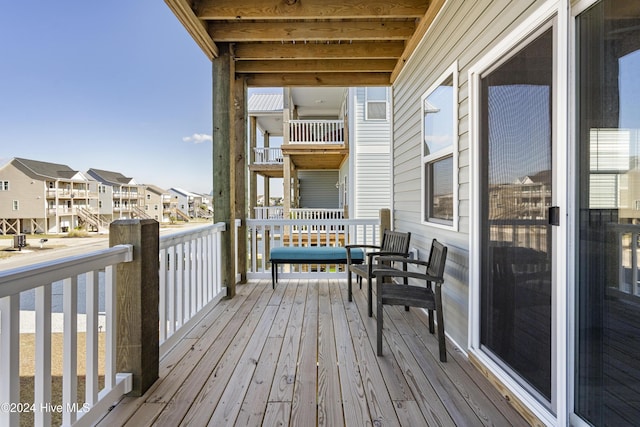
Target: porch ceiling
pixel 279 43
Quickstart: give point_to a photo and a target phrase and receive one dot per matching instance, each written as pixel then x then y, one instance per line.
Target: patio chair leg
pixel 431 328
pixel 273 276
pixel 379 326
pixel 441 338
pixel 370 297
pixel 349 284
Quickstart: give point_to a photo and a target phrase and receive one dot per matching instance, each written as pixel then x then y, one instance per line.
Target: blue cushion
pixel 315 253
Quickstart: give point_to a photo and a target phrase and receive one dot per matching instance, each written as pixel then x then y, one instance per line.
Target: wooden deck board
pixel 304 355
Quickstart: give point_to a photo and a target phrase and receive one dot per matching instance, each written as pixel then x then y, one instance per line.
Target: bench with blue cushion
pixel 310 255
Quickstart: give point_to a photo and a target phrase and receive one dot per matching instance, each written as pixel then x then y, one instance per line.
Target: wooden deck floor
pixel 303 355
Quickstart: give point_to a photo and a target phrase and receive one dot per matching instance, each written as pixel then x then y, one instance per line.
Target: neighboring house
pixel 334 154
pixel 42 197
pixel 205 209
pixel 127 196
pixel 157 203
pixel 185 203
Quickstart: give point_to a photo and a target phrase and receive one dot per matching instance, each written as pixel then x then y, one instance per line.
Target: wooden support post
pixel 253 180
pixel 222 71
pixel 239 174
pixel 287 186
pixel 138 340
pixel 385 221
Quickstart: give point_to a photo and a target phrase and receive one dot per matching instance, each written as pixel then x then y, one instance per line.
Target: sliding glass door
pixel 607 348
pixel 516 110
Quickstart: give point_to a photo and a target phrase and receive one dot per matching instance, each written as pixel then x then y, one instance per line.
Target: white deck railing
pixel 266 234
pixel 268 156
pixel 190 279
pixel 41 278
pixel 270 212
pixel 311 213
pixel 277 212
pixel 316 132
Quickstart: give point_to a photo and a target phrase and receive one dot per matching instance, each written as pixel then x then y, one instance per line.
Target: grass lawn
pixel 27 369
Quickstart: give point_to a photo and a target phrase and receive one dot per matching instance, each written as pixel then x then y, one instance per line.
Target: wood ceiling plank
pixel 310 31
pixel 318 79
pixel 309 9
pixel 319 66
pixel 355 50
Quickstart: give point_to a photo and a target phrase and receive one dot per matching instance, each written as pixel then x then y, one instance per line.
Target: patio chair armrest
pixel 403 259
pixel 363 246
pixel 391 272
pixel 349 248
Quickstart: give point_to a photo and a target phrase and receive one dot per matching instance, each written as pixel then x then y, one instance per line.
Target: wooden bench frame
pixel 317 258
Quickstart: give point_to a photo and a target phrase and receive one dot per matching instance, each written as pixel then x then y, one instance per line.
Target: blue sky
pixel 116 85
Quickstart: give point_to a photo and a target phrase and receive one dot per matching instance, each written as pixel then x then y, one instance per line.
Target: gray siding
pixel 463 32
pixel 318 189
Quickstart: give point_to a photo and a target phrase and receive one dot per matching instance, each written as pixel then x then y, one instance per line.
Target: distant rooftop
pixel 46 169
pixel 265 103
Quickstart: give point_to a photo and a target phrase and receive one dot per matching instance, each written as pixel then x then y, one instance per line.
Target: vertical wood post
pixel 138 287
pixel 253 180
pixel 222 70
pixel 385 221
pixel 286 164
pixel 239 174
pixel 267 189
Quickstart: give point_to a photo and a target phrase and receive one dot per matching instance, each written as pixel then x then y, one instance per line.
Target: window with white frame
pixel 439 151
pixel 4 185
pixel 16 205
pixel 376 103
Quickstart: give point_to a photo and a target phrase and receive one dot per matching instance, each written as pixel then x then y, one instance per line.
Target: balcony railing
pixel 268 156
pixel 189 280
pixel 277 212
pixel 40 278
pixel 316 132
pixel 190 283
pixel 266 234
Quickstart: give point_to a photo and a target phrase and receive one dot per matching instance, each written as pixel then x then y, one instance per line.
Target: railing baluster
pixel 42 380
pixel 91 334
pixel 10 357
pixel 171 294
pixel 70 345
pixel 163 294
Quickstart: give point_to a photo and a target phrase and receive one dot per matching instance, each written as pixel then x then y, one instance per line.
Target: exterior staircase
pixel 93 220
pixel 181 215
pixel 140 213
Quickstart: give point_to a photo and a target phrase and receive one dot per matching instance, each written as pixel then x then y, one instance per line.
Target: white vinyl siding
pixel 371 148
pixel 462 32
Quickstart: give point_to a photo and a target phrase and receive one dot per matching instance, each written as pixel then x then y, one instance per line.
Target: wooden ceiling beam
pixel 197 30
pixel 317 79
pixel 355 50
pixel 310 31
pixel 309 9
pixel 418 35
pixel 320 66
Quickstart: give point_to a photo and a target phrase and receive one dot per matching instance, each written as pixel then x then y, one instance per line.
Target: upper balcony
pixel 317 144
